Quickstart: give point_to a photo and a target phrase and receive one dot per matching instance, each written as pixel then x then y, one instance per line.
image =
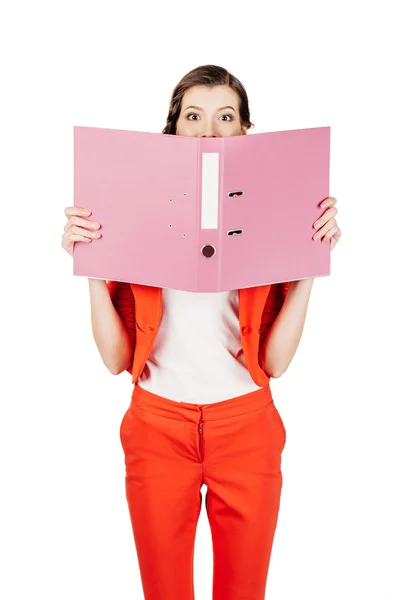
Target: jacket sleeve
pixel 124 303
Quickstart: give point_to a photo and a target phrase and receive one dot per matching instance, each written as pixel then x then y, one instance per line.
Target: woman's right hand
pixel 78 228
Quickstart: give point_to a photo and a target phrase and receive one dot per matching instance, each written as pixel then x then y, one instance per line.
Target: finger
pixel 84 232
pixel 330 234
pixel 74 237
pixel 328 214
pixel 73 220
pixel 324 229
pixel 329 201
pixel 76 210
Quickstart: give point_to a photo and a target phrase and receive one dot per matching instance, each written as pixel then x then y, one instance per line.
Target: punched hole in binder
pixel 235 232
pixel 235 194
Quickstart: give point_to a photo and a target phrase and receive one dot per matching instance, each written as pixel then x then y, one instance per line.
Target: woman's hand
pixel 327 229
pixel 77 228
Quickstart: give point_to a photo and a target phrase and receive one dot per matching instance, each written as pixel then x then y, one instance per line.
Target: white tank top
pixel 197 355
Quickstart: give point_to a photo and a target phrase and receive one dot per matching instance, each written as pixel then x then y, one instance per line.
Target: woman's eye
pixel 195 115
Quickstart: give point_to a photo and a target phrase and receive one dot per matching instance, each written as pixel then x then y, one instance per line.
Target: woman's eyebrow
pixel 199 107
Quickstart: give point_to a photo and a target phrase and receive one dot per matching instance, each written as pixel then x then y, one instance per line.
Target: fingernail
pixel 86 212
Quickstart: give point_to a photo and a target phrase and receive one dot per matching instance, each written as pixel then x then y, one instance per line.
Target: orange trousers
pixel 171 449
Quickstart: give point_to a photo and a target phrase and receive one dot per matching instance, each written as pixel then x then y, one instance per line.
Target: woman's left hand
pixel 327 229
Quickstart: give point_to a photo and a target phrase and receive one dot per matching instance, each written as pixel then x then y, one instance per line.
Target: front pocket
pixel 279 421
pixel 124 423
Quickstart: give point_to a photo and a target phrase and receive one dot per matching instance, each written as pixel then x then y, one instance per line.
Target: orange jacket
pixel 140 308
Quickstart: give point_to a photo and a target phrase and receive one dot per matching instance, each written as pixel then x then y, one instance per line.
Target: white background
pixel 65 528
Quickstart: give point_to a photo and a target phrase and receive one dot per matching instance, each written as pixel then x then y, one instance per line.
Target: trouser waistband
pixel 188 411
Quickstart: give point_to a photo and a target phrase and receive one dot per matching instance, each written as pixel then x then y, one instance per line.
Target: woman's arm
pixel 285 333
pixel 113 338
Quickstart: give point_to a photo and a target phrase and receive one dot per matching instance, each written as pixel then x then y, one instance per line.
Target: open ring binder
pixel 202 214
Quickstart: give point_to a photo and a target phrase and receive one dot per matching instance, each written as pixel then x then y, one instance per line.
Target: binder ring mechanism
pixel 235 195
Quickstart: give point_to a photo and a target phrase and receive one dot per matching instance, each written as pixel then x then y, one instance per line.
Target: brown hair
pixel 209 75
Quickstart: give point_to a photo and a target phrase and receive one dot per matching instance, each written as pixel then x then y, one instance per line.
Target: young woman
pixel 201 410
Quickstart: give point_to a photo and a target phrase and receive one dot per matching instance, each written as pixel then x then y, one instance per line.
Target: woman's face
pixel 210 112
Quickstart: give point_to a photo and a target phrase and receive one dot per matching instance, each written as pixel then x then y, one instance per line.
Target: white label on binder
pixel 209 190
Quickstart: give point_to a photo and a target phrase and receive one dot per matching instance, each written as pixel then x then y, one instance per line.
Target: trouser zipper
pixel 200 428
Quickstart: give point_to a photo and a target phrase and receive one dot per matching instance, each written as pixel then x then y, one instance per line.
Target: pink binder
pixel 202 214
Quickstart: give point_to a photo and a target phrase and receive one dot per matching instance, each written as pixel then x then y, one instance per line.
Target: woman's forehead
pixel 203 96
